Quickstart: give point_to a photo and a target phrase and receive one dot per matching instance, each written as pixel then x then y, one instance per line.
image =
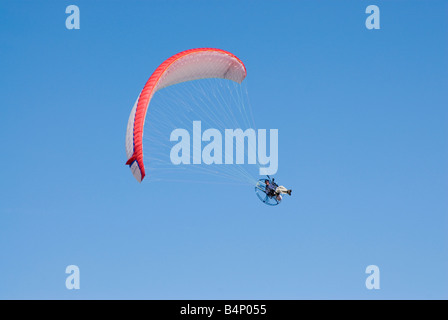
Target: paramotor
pixel 260 190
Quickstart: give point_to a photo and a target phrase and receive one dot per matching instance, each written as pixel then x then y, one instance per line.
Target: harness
pixel 271 192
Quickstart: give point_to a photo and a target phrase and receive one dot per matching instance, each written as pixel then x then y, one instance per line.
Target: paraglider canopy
pixel 193 64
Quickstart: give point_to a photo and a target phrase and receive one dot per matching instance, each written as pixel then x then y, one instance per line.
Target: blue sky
pixel 362 122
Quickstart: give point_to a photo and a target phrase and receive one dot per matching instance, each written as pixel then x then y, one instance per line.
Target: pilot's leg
pixel 281 189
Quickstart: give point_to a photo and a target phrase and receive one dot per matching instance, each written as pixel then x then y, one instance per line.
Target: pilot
pixel 272 189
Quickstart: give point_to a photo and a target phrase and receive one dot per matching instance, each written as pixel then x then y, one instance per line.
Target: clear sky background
pixel 362 118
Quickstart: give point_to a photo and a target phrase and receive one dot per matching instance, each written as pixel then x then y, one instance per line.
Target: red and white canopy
pixel 187 65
